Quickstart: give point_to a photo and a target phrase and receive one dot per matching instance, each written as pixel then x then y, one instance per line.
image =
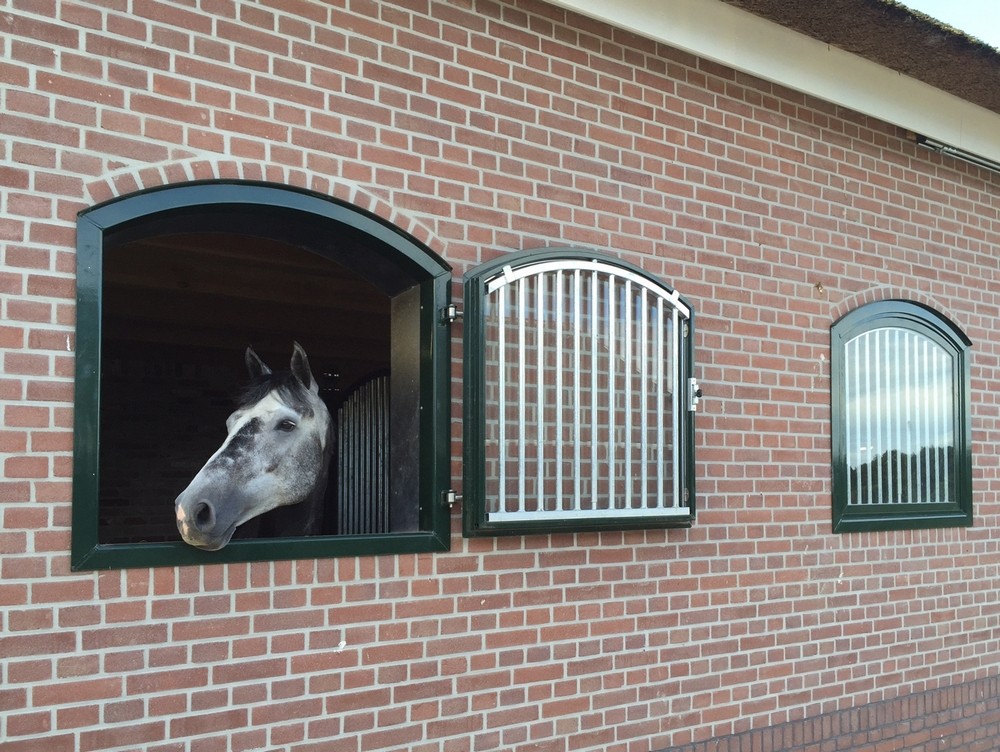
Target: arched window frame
pixel 852 510
pixel 392 250
pixel 608 510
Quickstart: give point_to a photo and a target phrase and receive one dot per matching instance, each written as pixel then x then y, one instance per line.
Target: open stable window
pixel 174 284
pixel 900 409
pixel 579 397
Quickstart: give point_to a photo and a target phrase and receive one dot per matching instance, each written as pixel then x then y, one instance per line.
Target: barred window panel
pixel 900 419
pixel 581 366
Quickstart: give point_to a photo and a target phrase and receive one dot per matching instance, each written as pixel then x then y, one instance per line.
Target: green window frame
pixel 901 431
pixel 579 396
pixel 393 261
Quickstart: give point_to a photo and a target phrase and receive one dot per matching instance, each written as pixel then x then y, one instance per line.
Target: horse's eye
pixel 286 425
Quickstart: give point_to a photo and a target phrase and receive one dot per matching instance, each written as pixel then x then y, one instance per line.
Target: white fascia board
pixel 733 37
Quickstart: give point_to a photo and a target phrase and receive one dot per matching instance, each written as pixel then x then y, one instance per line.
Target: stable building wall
pixel 483 128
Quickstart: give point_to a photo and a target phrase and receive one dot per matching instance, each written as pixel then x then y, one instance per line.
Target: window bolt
pixel 695 394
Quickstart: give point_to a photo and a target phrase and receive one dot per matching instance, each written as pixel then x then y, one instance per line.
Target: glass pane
pixel 899 419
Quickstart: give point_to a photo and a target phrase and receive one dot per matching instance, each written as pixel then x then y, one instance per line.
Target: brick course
pixel 481 128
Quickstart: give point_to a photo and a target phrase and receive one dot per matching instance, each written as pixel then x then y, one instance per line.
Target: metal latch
pixel 694 394
pixel 449 497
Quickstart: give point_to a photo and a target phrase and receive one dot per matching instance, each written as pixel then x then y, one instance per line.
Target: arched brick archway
pixel 137 178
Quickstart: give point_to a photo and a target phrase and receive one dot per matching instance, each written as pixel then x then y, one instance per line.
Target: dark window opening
pixel 174 285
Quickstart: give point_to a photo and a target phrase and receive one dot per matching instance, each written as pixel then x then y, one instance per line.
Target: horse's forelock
pixel 286 387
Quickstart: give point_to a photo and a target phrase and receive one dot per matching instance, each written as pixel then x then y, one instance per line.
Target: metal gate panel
pixel 363 460
pixel 582 408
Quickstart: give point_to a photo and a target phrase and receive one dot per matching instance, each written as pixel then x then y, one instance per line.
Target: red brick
pixel 90 690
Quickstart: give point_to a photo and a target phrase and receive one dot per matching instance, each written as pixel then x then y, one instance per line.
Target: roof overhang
pixel 751 43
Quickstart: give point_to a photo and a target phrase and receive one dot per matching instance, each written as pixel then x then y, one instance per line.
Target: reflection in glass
pixel 899 420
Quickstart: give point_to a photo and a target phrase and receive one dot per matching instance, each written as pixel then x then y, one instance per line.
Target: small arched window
pixel 901 427
pixel 579 396
pixel 174 284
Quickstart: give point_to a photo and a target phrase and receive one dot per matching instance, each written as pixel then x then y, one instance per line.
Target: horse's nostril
pixel 204 515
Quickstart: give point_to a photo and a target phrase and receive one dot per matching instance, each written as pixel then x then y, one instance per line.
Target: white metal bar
pixel 577 416
pixel 559 312
pixel 540 390
pixel 643 398
pixel 502 397
pixel 946 409
pixel 924 428
pixel 660 447
pixel 899 336
pixel 889 388
pixel 849 438
pixel 868 421
pixel 875 368
pixel 579 514
pixel 612 401
pixel 935 425
pixel 908 374
pixel 522 460
pixel 676 409
pixel 595 312
pixel 627 367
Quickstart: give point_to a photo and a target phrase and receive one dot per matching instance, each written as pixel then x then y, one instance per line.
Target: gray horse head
pixel 276 457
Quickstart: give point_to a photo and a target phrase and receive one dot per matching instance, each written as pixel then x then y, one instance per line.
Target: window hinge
pixel 449 497
pixel 450 313
pixel 694 394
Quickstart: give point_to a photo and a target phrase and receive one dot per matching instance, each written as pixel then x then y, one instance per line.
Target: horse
pixel 272 468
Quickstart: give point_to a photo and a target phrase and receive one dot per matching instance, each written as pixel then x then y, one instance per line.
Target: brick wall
pixel 483 127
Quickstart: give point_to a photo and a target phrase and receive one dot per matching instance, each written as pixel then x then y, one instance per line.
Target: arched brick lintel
pixel 875 294
pixel 138 178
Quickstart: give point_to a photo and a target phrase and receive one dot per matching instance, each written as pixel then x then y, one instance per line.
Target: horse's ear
pixel 255 365
pixel 300 367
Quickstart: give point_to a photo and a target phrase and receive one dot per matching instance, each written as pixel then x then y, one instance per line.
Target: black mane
pixel 288 388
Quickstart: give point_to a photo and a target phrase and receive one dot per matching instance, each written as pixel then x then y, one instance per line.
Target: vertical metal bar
pixel 643 401
pixel 627 314
pixel 888 389
pixel 869 469
pixel 944 422
pixel 924 426
pixel 595 370
pixel 875 367
pixel 935 429
pixel 676 409
pixel 522 392
pixel 850 370
pixel 660 446
pixel 908 380
pixel 540 389
pixel 612 401
pixel 897 386
pixel 559 312
pixel 502 397
pixel 577 413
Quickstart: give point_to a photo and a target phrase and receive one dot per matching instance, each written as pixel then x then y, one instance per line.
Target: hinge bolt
pixel 450 313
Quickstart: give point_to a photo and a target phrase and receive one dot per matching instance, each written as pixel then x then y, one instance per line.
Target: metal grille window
pixel 578 397
pixel 901 430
